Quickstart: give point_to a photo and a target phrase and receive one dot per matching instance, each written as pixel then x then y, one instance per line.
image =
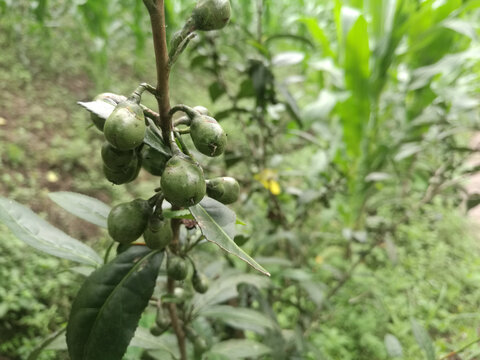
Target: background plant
pixel 408 161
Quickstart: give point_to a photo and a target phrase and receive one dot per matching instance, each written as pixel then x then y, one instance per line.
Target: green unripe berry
pixel 123 175
pixel 153 161
pixel 125 127
pixel 183 182
pixel 223 189
pixel 211 14
pixel 126 222
pixel 109 98
pixel 207 135
pixel 177 268
pixel 200 282
pixel 116 159
pixel 158 233
pixel 201 109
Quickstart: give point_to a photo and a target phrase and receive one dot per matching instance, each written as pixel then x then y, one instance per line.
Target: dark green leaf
pixel 83 206
pixel 215 90
pixel 156 142
pixel 108 306
pixel 41 235
pixel 217 223
pixel 246 89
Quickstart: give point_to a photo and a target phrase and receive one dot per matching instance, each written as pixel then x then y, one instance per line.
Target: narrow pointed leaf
pixel 225 288
pixel 217 223
pixel 239 349
pixel 240 318
pixel 423 339
pixel 108 306
pixel 393 346
pixel 100 108
pixel 83 206
pixel 39 234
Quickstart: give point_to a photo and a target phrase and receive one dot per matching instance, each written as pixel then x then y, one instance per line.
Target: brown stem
pixel 177 328
pixel 156 10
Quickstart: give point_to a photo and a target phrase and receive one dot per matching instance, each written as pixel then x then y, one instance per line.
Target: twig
pixel 456 352
pixel 156 10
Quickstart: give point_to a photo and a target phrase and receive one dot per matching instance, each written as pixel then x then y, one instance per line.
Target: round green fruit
pixel 153 161
pixel 223 189
pixel 177 268
pixel 207 135
pixel 127 221
pixel 125 127
pixel 123 175
pixel 158 233
pixel 109 98
pixel 183 182
pixel 201 109
pixel 211 14
pixel 117 159
pixel 200 282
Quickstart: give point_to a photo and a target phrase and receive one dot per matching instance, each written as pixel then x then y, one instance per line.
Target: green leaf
pixel 240 318
pixel 216 91
pixel 83 206
pixel 108 306
pixel 393 346
pixel 225 288
pixel 100 108
pixel 153 140
pixel 177 214
pixel 423 339
pixel 143 339
pixel 217 223
pixel 238 349
pixel 45 343
pixel 288 58
pixel 39 234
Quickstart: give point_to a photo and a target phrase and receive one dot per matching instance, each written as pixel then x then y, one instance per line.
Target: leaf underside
pixel 108 306
pixel 39 234
pixel 83 206
pixel 217 223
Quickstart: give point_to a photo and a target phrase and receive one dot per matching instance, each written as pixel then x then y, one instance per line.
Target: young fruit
pixel 153 161
pixel 207 135
pixel 158 233
pixel 223 189
pixel 183 182
pixel 109 98
pixel 127 221
pixel 177 268
pixel 201 109
pixel 211 14
pixel 125 174
pixel 200 282
pixel 125 127
pixel 116 159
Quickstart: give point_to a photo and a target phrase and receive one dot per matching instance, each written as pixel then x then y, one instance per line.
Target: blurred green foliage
pixel 350 121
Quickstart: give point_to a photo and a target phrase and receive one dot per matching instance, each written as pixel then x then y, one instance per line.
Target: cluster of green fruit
pixel 182 181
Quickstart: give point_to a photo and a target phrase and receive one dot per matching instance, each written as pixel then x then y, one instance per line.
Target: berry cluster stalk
pixel 156 10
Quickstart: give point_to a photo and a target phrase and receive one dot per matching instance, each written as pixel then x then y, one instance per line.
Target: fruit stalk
pixel 156 10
